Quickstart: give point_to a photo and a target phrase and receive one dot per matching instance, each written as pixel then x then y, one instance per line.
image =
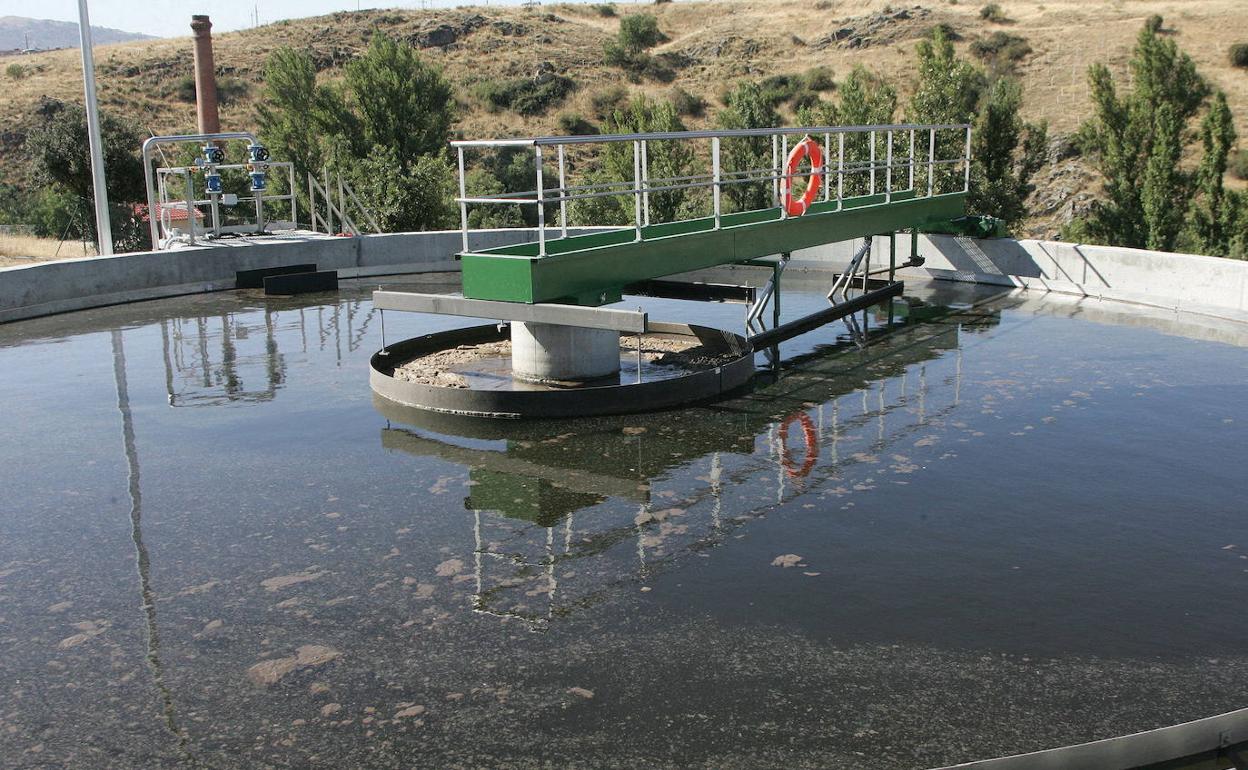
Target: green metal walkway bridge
pixel 861 181
pixel 693 200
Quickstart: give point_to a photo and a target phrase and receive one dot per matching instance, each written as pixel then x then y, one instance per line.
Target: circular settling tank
pixel 489 371
pixel 1006 525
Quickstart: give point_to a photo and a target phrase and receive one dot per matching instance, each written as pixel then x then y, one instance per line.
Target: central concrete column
pixel 550 353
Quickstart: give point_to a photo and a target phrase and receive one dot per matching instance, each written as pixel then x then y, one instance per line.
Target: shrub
pixel 819 79
pixel 639 31
pixel 687 104
pixel 1239 55
pixel 1154 23
pixel 1239 164
pixel 572 124
pixel 15 71
pixel 992 12
pixel 525 96
pixel 605 9
pixel 606 102
pixel 229 90
pixel 1001 47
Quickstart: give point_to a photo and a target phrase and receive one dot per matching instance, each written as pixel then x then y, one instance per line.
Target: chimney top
pixel 201 23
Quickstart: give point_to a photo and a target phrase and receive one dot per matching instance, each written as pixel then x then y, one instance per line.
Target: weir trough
pixel 857 182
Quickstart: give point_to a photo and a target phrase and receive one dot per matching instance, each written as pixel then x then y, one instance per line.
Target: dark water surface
pixel 1009 527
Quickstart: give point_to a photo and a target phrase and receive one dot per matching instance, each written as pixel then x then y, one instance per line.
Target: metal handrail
pixel 726 133
pixel 891 174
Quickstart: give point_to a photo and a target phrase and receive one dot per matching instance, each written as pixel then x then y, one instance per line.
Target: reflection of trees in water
pixel 544 545
pixel 235 357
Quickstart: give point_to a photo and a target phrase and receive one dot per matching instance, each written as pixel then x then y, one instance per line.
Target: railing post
pixel 966 184
pixel 840 171
pixel 645 184
pixel 463 206
pixel 637 188
pixel 786 182
pixel 715 175
pixel 931 163
pixel 294 195
pixel 541 203
pixel 871 191
pixel 827 178
pixel 312 202
pixel 775 168
pixel 329 203
pixel 888 172
pixel 910 161
pixel 563 194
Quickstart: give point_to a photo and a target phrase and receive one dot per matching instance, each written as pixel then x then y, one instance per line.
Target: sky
pixel 172 18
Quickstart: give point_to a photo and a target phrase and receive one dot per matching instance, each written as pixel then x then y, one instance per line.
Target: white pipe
pixel 103 227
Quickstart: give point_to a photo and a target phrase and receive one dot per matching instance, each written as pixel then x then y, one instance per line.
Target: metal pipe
pixel 329 202
pixel 151 142
pixel 103 223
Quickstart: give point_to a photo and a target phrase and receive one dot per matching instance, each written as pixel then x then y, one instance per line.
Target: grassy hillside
pixel 710 46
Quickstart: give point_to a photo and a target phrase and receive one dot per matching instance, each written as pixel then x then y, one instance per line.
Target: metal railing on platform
pixel 855 162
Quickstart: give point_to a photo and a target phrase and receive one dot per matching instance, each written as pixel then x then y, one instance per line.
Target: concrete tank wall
pixel 27 291
pixel 1207 285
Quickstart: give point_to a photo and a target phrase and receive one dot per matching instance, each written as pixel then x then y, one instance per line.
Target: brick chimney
pixel 205 77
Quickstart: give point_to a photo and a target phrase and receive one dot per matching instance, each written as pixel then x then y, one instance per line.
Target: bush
pixel 606 102
pixel 639 31
pixel 687 104
pixel 1154 23
pixel 572 124
pixel 1239 164
pixel 992 12
pixel 229 90
pixel 819 79
pixel 607 10
pixel 1001 47
pixel 15 71
pixel 525 96
pixel 1239 55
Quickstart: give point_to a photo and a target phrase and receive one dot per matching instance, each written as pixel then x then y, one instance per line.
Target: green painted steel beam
pixel 591 269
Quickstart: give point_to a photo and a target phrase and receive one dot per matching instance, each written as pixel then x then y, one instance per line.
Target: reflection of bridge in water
pixel 556 539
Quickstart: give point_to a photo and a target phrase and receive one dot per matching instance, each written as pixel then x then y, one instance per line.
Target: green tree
pixel 62 160
pixel 639 31
pixel 1136 141
pixel 291 114
pixel 401 102
pixel 866 99
pixel 385 128
pixel 664 160
pixel 1219 221
pixel 1007 152
pixel 747 157
pixel 948 91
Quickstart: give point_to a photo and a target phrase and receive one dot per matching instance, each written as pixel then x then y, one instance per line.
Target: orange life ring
pixel 806 148
pixel 812 445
